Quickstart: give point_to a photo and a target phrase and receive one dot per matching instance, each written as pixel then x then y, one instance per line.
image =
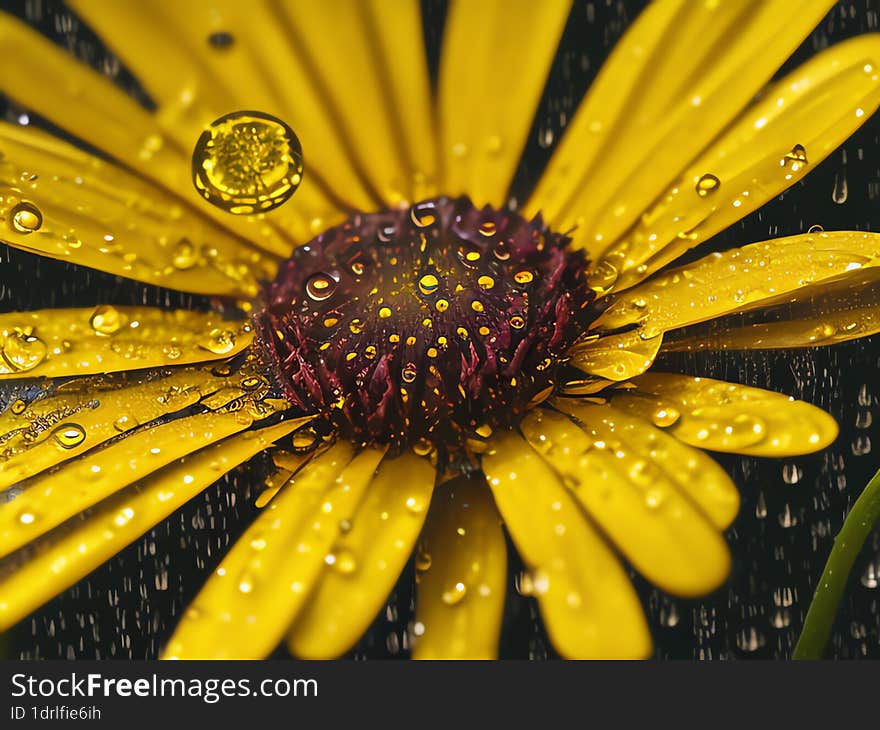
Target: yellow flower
pixel 131 411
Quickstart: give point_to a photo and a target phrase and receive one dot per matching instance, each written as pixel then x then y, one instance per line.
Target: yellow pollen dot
pixel 523 277
pixel 488 228
pixel 410 340
pixel 427 323
pixel 385 312
pixel 484 330
pixel 517 322
pixel 330 321
pixel 442 305
pixel 442 341
pixel 370 351
pixel 472 255
pixel 462 332
pixel 356 326
pixel 477 306
pixel 394 338
pixel 351 356
pixel 432 352
pixel 324 346
pixel 486 282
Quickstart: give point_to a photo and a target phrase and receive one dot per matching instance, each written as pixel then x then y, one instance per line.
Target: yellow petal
pixel 484 119
pixel 587 602
pixel 799 121
pixel 77 415
pixel 368 559
pixel 27 581
pixel 368 61
pixel 824 315
pixel 76 98
pixel 75 207
pixel 462 571
pixel 263 582
pixel 690 470
pixel 719 416
pixel 91 340
pixel 616 357
pixel 632 500
pixel 43 503
pixel 677 78
pixel 756 275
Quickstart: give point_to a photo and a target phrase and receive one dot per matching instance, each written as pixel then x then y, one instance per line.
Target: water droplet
pixel 18 407
pixel 22 350
pixel 602 277
pixel 665 416
pixel 247 162
pixel 423 560
pixel 795 159
pixel 423 215
pixel 106 320
pixel 124 423
pixel 218 341
pixel 455 594
pixel 304 438
pixel 25 218
pixel 345 562
pixel 428 284
pixel 409 373
pixel 707 184
pixel 69 435
pixel 841 188
pixel 320 287
pixel 488 228
pixel 185 255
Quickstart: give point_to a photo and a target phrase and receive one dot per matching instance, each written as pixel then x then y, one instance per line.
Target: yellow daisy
pixel 421 362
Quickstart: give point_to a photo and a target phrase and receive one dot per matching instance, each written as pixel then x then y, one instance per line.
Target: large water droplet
pixel 25 218
pixel 69 435
pixel 707 184
pixel 247 162
pixel 218 341
pixel 106 320
pixel 22 351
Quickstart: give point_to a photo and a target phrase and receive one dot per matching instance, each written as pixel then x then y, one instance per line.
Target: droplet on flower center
pixel 442 340
pixel 247 162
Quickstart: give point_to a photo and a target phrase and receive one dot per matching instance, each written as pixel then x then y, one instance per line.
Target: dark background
pixel 790 511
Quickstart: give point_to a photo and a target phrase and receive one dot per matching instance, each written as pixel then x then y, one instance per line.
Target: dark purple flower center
pixel 427 327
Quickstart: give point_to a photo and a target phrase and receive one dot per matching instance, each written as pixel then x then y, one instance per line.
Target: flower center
pixel 427 327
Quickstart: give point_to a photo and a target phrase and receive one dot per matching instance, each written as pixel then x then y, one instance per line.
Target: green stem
pixel 856 528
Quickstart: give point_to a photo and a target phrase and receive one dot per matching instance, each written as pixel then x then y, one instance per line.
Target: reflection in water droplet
pixel 69 435
pixel 25 218
pixel 218 341
pixel 602 277
pixel 320 287
pixel 795 159
pixel 22 350
pixel 106 320
pixel 247 162
pixel 707 184
pixel 185 254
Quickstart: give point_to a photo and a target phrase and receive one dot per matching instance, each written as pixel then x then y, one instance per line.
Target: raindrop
pixel 841 188
pixel 454 594
pixel 320 287
pixel 185 254
pixel 25 218
pixel 247 162
pixel 106 320
pixel 707 184
pixel 218 341
pixel 602 277
pixel 69 435
pixel 795 159
pixel 23 351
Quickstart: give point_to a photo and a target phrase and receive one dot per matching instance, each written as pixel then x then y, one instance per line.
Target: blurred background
pixel 790 511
